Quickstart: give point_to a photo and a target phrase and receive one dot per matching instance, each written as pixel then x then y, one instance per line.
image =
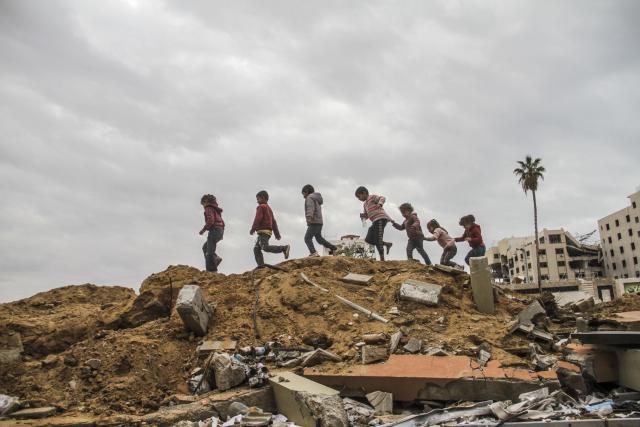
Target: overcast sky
pixel 115 117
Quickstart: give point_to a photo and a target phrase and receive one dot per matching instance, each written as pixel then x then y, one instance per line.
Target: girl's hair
pixel 467 219
pixel 208 198
pixel 434 224
pixel 263 193
pixel 362 190
pixel 406 207
pixel 308 189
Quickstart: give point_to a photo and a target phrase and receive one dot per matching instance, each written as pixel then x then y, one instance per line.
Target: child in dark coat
pixel 411 224
pixel 214 224
pixel 313 215
pixel 264 224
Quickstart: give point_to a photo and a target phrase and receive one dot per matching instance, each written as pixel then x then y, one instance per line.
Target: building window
pixel 635 260
pixel 621 250
pixel 528 254
pixel 611 251
pixel 634 205
pixel 517 269
pixel 543 264
pixel 496 256
pixel 631 232
pixel 633 246
pixel 624 263
pixel 619 236
pixel 561 263
pixel 617 223
pixel 555 238
pixel 544 277
pixel 613 264
pixel 637 220
pixel 637 273
pixel 610 239
pixel 563 276
pixel 542 252
pixel 542 240
pixel 559 251
pixel 529 265
pixel 628 218
pixel 511 271
pixel 608 228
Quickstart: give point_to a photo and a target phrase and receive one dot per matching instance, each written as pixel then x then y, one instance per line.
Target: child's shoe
pixel 218 261
pixel 315 254
pixel 287 249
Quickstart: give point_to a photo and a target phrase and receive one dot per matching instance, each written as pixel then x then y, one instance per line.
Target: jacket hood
pixel 317 197
pixel 214 206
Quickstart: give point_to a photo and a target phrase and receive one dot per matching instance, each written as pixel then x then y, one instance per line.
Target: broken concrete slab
pixel 573 381
pixel 358 279
pixel 381 401
pixel 536 333
pixel 450 270
pixel 530 312
pixel 628 363
pixel 394 342
pixel 372 353
pixel 325 410
pixel 374 338
pixel 599 365
pixel 629 319
pixel 564 299
pixel 413 346
pixel 288 388
pixel 420 292
pixel 193 309
pixel 359 414
pixel 583 305
pixel 33 413
pixel 615 338
pixel 228 371
pixel 418 377
pixel 481 285
pixel 208 346
pixel 318 356
pixel 10 347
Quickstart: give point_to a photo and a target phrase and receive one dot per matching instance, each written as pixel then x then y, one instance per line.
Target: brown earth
pixel 146 354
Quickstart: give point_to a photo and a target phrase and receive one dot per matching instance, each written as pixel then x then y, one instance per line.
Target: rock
pixel 394 342
pixel 208 346
pixel 10 347
pixel 317 339
pixel 358 279
pixel 327 410
pixel 533 310
pixel 371 354
pixel 420 292
pixel 237 408
pixel 50 361
pixel 8 404
pixel 381 401
pixel 318 356
pixel 228 371
pixel 94 364
pixel 358 413
pixel 69 360
pixel 73 385
pixel 193 309
pixel 573 381
pixel 32 413
pixel 413 346
pixel 374 338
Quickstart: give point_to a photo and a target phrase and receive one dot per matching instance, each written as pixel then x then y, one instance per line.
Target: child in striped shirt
pixel 374 211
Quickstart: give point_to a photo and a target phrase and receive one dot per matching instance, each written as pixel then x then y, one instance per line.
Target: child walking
pixel 265 225
pixel 214 224
pixel 374 211
pixel 411 223
pixel 313 214
pixel 446 242
pixel 473 235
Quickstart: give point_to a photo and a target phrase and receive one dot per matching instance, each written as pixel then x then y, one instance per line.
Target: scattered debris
pixel 394 341
pixel 33 413
pixel 381 401
pixel 413 346
pixel 420 292
pixel 358 279
pixel 372 354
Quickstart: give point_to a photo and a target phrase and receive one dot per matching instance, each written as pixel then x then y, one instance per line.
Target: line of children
pixel 265 225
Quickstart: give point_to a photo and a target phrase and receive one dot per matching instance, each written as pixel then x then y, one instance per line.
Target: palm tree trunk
pixel 535 224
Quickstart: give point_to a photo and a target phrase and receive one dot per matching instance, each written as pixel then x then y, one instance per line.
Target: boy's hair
pixel 406 207
pixel 207 198
pixel 467 219
pixel 308 189
pixel 435 224
pixel 362 190
pixel 263 193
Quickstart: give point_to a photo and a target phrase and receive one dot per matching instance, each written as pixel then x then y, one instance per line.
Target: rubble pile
pixel 332 340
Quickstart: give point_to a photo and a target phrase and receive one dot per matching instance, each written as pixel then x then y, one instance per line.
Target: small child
pixel 265 225
pixel 313 214
pixel 414 232
pixel 473 235
pixel 445 241
pixel 374 211
pixel 214 224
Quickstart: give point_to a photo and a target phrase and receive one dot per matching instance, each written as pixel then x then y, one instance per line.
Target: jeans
pixel 417 244
pixel 262 244
pixel 375 235
pixel 447 255
pixel 315 230
pixel 479 251
pixel 209 248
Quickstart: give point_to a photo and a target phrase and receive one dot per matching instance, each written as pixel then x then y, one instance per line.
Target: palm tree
pixel 529 173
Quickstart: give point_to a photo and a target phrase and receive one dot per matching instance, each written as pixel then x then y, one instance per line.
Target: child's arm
pixel 257 219
pixel 308 209
pixel 398 226
pixel 430 238
pixel 276 231
pixel 461 238
pixel 434 236
pixel 208 221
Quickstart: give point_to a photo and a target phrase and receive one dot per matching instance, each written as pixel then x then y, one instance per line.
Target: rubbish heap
pixel 329 341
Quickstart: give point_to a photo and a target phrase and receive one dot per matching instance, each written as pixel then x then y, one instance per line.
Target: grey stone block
pixel 481 285
pixel 228 371
pixel 420 292
pixel 193 309
pixel 371 354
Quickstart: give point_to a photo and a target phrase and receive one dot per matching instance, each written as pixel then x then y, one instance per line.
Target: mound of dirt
pixel 103 350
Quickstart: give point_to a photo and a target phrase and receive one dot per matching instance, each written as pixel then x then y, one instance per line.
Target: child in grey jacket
pixel 313 214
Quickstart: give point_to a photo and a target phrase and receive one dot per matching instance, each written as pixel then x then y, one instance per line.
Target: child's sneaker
pixel 315 254
pixel 287 249
pixel 218 261
pixel 335 252
pixel 388 245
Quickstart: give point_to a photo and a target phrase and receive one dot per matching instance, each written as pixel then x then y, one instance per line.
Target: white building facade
pixel 620 239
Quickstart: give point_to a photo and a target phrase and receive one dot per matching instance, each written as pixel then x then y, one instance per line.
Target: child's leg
pixel 410 248
pixel 475 252
pixel 447 255
pixel 324 242
pixel 419 244
pixel 274 249
pixel 380 243
pixel 257 249
pixel 209 249
pixel 308 238
pixel 208 261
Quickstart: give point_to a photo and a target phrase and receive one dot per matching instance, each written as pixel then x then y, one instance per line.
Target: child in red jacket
pixel 473 235
pixel 265 225
pixel 214 224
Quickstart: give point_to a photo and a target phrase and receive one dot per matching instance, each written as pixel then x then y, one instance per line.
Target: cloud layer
pixel 117 116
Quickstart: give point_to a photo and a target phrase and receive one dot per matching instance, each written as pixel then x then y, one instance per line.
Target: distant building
pixel 620 237
pixel 352 245
pixel 562 258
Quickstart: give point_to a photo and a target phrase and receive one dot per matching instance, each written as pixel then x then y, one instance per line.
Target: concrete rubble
pixel 420 292
pixel 193 309
pixel 358 279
